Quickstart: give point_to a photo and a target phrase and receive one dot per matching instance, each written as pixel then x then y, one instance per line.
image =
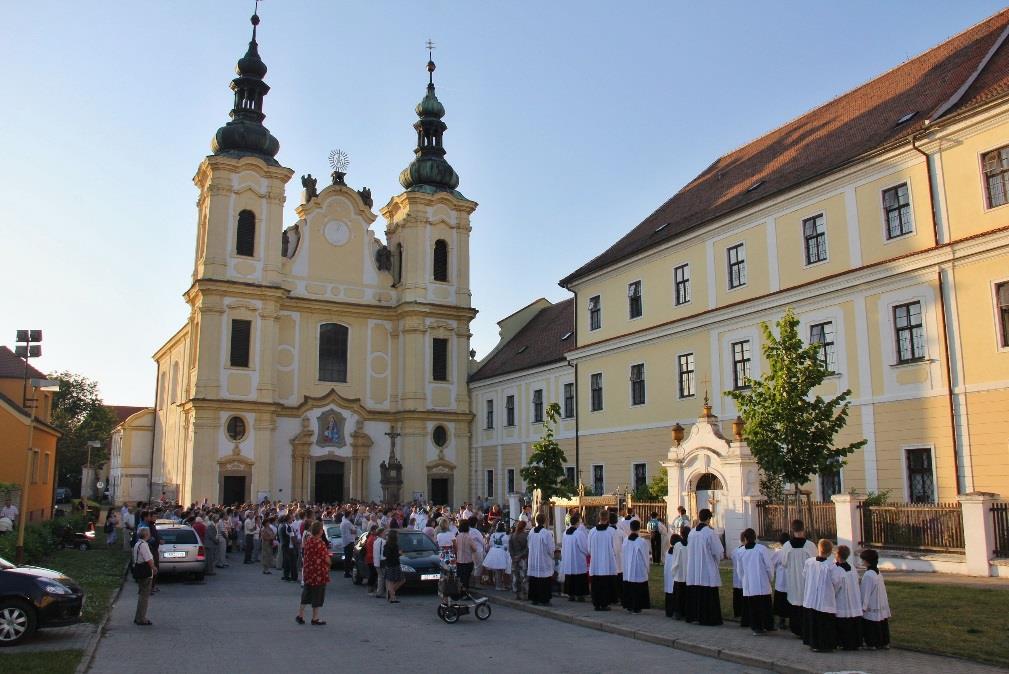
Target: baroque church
pixel 317 362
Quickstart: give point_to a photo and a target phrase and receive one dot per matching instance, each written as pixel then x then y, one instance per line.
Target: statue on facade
pixel 309 190
pixel 365 195
pixel 383 258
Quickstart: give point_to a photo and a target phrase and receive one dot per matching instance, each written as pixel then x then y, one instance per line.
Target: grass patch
pixel 99 571
pixel 964 622
pixel 49 662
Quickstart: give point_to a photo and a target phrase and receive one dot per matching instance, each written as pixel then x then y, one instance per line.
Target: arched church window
pixel 440 260
pixel 245 236
pixel 333 352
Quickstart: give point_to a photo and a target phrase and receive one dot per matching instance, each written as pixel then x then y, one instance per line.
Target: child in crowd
pixel 822 578
pixel 755 574
pixel 849 603
pixel 669 576
pixel 781 607
pixel 875 604
pixel 737 585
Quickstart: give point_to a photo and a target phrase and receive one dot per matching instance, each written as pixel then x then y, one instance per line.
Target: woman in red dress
pixel 315 554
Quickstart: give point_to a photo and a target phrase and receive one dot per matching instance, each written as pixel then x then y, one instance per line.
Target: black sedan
pixel 418 559
pixel 32 598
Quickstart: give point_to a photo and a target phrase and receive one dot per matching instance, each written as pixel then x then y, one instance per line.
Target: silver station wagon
pixel 181 551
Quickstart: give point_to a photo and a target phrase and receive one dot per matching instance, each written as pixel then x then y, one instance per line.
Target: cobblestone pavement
pixel 780 651
pixel 243 621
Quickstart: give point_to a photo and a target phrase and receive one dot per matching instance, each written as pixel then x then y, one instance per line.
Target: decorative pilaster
pixel 360 445
pixel 301 445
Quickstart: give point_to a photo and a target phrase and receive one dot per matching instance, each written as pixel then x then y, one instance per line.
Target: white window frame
pixel 602 393
pixel 690 292
pixel 637 462
pixel 826 240
pixel 903 469
pixel 678 373
pixel 728 268
pixel 999 346
pixel 984 180
pixel 594 466
pixel 630 385
pixel 641 300
pixel 599 300
pixel 882 212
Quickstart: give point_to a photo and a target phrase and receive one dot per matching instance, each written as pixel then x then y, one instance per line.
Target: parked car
pixel 335 545
pixel 181 551
pixel 63 495
pixel 418 559
pixel 66 537
pixel 32 598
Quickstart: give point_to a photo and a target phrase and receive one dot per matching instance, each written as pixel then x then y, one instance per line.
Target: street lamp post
pixel 41 385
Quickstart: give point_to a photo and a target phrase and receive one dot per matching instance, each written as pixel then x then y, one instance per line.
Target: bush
pixel 40 539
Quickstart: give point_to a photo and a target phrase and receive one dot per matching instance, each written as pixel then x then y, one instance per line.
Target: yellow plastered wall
pixel 904 424
pixel 790 239
pixel 872 223
pixel 757 271
pixel 964 183
pixel 988 412
pixel 985 359
pixel 618 451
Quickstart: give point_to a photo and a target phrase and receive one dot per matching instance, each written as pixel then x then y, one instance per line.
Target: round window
pixel 236 428
pixel 440 436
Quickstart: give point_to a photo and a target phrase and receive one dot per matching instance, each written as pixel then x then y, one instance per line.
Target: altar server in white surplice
pixel 574 560
pixel 875 604
pixel 794 554
pixel 849 603
pixel 602 563
pixel 637 562
pixel 704 553
pixel 756 571
pixel 541 562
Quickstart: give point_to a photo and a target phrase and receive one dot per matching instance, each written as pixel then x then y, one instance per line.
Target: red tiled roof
pixel 12 367
pixel 537 343
pixel 829 137
pixel 123 412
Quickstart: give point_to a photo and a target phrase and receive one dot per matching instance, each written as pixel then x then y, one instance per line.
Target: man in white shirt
pixel 142 557
pixel 378 553
pixel 9 511
pixel 348 534
pixel 681 519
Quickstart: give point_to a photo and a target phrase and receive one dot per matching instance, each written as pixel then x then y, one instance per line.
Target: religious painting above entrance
pixel 331 430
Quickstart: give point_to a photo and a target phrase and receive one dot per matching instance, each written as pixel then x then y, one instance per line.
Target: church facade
pixel 318 362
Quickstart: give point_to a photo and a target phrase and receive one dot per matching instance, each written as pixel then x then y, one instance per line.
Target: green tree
pixel 655 490
pixel 790 431
pixel 80 415
pixel 545 468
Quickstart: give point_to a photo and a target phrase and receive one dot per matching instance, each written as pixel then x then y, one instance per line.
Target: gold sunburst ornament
pixel 339 160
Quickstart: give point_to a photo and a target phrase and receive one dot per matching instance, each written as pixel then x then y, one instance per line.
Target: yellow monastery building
pixel 312 351
pixel 881 217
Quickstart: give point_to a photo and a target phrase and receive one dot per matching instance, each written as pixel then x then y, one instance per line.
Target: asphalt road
pixel 243 621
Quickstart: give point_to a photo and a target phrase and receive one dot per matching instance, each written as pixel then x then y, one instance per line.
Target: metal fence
pixel 773 519
pixel 1000 524
pixel 914 526
pixel 644 509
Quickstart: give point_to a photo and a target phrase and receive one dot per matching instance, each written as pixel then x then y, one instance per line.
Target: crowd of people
pixel 810 588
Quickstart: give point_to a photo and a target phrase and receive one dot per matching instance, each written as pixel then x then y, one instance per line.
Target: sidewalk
pixel 779 652
pixel 981 582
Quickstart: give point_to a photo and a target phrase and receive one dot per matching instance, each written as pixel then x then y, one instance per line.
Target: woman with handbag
pixel 144 572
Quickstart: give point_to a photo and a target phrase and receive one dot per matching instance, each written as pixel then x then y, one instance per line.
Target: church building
pixel 318 362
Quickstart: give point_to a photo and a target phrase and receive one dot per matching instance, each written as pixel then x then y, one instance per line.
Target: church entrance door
pixel 233 489
pixel 439 490
pixel 328 481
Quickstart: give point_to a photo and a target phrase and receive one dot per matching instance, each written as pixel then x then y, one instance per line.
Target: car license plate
pixel 172 555
pixel 430 576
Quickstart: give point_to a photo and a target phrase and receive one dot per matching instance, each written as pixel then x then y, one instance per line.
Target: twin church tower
pixel 317 362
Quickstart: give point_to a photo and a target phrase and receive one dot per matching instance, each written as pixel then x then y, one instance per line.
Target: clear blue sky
pixel 568 121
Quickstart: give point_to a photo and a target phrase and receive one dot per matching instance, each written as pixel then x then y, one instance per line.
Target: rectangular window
pixel 634 299
pixel 897 211
pixel 910 333
pixel 920 485
pixel 45 468
pixel 439 359
pixel 490 414
pixel 638 384
pixel 823 334
pixel 596 387
pixel 538 406
pixel 640 476
pixel 741 364
pixel 814 232
pixel 595 313
pixel 333 339
pixel 509 410
pixel 569 401
pixel 510 476
pixel 569 475
pixel 598 480
pixel 1002 302
pixel 996 175
pixel 686 374
pixel 490 483
pixel 681 279
pixel 241 333
pixel 737 265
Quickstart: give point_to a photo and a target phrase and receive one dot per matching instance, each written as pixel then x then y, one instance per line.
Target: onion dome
pixel 429 172
pixel 245 133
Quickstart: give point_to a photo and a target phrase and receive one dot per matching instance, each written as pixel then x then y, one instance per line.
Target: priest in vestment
pixel 704 554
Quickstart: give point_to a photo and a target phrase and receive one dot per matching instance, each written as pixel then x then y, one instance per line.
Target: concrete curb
pixel 89 651
pixel 658 639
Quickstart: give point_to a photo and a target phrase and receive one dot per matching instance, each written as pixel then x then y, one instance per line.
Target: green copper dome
pixel 429 172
